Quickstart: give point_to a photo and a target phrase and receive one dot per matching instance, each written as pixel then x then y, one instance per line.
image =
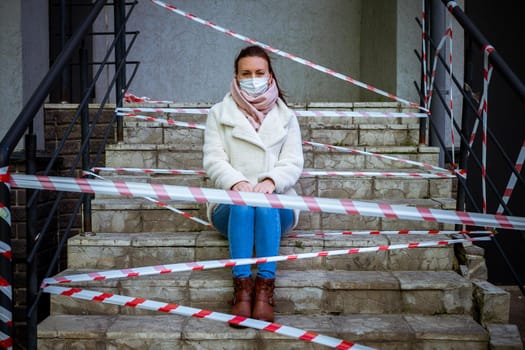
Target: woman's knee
pixel 243 211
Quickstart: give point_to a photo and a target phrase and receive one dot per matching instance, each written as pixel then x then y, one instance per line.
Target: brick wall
pixel 57 120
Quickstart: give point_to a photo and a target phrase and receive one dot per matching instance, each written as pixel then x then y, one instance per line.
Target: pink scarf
pixel 255 108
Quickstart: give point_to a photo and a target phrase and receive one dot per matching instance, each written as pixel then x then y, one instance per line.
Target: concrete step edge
pixel 364 329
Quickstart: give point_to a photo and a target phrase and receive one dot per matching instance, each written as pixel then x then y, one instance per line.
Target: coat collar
pixel 272 130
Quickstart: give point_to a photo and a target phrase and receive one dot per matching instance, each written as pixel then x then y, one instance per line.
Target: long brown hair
pixel 257 51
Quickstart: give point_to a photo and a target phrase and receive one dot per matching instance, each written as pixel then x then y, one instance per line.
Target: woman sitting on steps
pixel 252 143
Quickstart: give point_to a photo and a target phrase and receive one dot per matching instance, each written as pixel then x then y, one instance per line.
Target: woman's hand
pixel 265 186
pixel 243 186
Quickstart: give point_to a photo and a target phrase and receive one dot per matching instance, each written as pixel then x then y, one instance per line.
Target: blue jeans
pixel 247 227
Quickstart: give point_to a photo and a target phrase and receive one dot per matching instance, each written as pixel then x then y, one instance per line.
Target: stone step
pixel 323 292
pixel 141 215
pixel 393 332
pixel 125 250
pixel 330 130
pixel 189 156
pixel 327 186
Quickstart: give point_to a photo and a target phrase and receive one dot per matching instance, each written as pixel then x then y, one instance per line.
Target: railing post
pixel 32 265
pixel 119 14
pixel 438 112
pixel 84 118
pixel 6 267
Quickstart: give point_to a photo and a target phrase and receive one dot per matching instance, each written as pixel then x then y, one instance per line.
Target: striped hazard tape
pixel 308 143
pixel 513 178
pixel 299 113
pixel 161 204
pixel 305 203
pixel 286 55
pixel 307 173
pixel 49 286
pixel 152 305
pixel 401 232
pixel 226 263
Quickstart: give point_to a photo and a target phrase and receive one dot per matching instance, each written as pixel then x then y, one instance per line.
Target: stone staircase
pixel 421 298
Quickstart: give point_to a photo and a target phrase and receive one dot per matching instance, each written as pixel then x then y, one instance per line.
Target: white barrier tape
pixel 287 55
pixel 163 121
pixel 378 174
pixel 6 316
pixel 513 178
pixel 424 53
pixel 6 342
pixel 434 67
pixel 401 232
pixel 309 143
pixel 6 288
pixel 152 305
pixel 5 214
pixel 487 50
pixel 451 95
pixel 299 113
pixel 309 173
pixel 130 98
pixel 5 250
pixel 376 155
pixel 4 175
pixel 150 171
pixel 162 204
pixel 226 263
pixel 315 204
pixel 481 106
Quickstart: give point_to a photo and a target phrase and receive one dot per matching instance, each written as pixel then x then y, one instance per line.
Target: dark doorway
pixel 64 17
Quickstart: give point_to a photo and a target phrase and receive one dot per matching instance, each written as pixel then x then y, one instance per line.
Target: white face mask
pixel 254 86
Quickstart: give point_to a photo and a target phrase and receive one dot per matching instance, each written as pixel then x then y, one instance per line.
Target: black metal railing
pixel 37 242
pixel 468 196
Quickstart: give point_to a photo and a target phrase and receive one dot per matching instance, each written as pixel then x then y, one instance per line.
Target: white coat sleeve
pixel 216 161
pixel 289 165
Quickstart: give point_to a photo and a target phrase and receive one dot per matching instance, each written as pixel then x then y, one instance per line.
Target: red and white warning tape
pixel 286 54
pixel 315 204
pixel 487 50
pixel 424 53
pixel 150 171
pixel 130 98
pixel 309 143
pixel 401 232
pixel 226 263
pixel 376 174
pixel 6 287
pixel 299 113
pixel 152 305
pixel 5 214
pixel 163 120
pixel 434 67
pixel 376 155
pixel 179 172
pixel 451 95
pixel 162 204
pixel 5 250
pixel 308 173
pixel 6 342
pixel 513 178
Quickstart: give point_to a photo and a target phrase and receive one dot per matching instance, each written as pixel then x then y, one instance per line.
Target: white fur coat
pixel 234 151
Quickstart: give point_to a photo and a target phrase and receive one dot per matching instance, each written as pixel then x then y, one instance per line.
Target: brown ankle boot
pixel 263 300
pixel 242 298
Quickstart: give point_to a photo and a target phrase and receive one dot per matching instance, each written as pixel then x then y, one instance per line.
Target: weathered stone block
pixel 491 303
